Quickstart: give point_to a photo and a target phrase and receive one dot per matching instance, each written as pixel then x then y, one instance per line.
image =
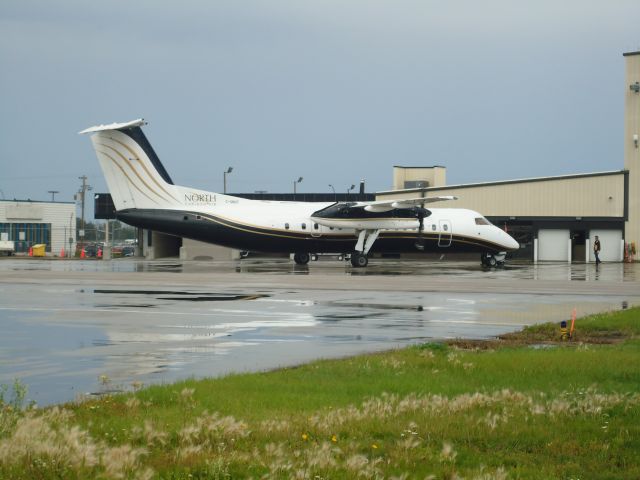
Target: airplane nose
pixel 510 242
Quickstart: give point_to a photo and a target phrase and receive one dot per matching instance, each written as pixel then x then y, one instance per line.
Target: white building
pixel 29 223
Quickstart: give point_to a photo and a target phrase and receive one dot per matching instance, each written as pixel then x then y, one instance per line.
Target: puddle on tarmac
pixel 182 295
pixel 378 306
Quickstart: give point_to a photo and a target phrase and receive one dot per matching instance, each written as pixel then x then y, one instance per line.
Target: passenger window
pixel 330 228
pixel 315 226
pixel 433 227
pixel 286 226
pixel 304 226
pixel 446 227
pixel 198 217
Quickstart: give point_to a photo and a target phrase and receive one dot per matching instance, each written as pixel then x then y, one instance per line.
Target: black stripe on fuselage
pixel 212 229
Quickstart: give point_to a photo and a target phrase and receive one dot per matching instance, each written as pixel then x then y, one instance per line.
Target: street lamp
pixel 53 194
pixel 295 182
pixel 224 176
pixel 335 197
pixel 349 190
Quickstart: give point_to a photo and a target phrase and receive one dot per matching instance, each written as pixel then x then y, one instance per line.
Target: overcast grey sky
pixel 334 91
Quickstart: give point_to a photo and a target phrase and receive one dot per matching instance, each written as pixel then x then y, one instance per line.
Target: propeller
pixel 421 214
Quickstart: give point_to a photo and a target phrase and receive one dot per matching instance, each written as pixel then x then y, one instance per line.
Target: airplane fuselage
pixel 274 226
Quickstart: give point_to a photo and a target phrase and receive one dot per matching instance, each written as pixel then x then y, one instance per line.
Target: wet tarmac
pixel 75 328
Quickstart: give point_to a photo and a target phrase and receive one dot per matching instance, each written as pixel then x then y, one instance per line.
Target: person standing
pixel 596 249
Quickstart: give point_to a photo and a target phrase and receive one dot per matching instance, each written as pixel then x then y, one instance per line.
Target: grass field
pixel 523 406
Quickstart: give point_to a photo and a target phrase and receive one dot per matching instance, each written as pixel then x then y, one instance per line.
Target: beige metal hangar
pixel 553 218
pixel 631 144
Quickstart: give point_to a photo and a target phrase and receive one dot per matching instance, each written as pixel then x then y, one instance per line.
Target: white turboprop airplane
pixel 144 196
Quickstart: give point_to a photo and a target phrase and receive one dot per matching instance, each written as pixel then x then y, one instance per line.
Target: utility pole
pixel 83 190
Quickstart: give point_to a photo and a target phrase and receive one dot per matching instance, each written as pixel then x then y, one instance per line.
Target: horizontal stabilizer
pixel 115 126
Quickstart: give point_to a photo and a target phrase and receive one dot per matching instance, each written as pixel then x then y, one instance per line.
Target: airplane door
pixel 316 230
pixel 445 236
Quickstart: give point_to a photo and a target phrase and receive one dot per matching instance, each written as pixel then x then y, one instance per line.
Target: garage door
pixel 553 245
pixel 610 245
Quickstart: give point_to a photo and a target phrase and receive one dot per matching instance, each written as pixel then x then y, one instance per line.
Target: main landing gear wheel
pixel 301 258
pixel 359 260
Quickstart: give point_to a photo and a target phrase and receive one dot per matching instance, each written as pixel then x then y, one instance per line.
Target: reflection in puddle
pixel 182 295
pixel 417 308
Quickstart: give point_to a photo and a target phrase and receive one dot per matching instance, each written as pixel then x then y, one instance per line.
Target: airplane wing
pixel 387 205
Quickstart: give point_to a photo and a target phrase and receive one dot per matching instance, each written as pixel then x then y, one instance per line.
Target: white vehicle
pixel 145 196
pixel 7 247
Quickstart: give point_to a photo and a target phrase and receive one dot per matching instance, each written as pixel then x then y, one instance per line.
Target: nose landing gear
pixel 488 259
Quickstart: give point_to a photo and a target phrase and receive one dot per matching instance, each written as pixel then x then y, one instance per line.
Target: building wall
pixel 434 176
pixel 61 216
pixel 195 250
pixel 631 147
pixel 574 196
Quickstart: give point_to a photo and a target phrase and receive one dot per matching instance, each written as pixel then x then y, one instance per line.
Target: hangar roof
pixel 507 182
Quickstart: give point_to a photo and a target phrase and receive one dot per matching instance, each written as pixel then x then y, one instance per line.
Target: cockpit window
pixel 482 221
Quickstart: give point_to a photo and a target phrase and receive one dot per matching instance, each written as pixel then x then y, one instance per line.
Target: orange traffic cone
pixel 82 254
pixel 31 251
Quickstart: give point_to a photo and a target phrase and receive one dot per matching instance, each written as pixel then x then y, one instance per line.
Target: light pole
pixel 224 177
pixel 83 190
pixel 295 182
pixel 349 190
pixel 335 198
pixel 53 194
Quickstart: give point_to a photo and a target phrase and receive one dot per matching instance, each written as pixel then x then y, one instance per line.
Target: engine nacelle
pixel 378 208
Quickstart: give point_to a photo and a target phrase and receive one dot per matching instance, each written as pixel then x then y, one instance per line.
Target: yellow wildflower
pixel 305 436
pixel 334 438
pixel 374 446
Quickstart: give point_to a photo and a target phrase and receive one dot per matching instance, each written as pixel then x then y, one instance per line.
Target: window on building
pixel 27 234
pixel 416 184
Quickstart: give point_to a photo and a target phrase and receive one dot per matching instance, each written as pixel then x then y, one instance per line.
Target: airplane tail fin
pixel 134 174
